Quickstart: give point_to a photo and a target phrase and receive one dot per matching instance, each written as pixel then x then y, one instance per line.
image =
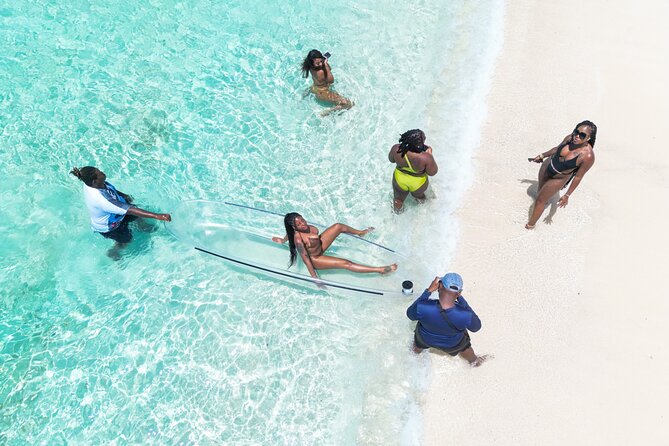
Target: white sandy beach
pixel 575 311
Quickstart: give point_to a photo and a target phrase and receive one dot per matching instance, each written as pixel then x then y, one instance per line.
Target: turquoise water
pixel 184 100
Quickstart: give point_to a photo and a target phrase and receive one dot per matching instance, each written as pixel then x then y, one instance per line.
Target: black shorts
pixel 121 233
pixel 463 345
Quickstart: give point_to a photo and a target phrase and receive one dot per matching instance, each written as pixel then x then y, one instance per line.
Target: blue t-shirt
pixel 434 328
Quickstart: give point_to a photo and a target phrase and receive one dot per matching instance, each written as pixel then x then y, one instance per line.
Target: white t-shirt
pixel 105 206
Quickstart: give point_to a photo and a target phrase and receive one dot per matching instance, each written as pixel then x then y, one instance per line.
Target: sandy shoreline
pixel 574 312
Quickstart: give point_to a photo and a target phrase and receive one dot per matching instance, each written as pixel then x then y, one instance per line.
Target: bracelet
pixel 541 156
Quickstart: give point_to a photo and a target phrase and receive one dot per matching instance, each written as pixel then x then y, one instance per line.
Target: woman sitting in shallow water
pixel 317 64
pixel 571 159
pixel 304 238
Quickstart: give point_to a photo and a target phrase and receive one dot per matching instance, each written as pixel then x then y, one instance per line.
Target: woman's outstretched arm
pixel 280 240
pixel 542 156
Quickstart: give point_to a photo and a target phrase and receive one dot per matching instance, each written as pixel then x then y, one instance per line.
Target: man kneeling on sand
pixel 443 320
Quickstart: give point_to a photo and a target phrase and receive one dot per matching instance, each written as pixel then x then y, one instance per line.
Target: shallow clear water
pixel 203 100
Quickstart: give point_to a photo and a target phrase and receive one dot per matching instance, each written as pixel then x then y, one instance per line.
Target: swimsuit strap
pixel 406 158
pixel 409 169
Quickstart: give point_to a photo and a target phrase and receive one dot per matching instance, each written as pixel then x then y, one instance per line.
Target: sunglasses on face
pixel 581 135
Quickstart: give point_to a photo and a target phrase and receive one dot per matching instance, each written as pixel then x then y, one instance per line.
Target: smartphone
pixel 530 159
pixel 326 55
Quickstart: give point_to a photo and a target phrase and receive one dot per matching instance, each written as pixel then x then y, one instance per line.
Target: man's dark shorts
pixel 463 345
pixel 122 233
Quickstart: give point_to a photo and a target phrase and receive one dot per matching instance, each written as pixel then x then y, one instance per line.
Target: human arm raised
pixel 412 311
pixel 391 154
pixel 465 318
pixel 431 167
pixel 329 78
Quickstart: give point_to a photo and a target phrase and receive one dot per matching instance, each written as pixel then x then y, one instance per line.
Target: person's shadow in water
pixel 552 202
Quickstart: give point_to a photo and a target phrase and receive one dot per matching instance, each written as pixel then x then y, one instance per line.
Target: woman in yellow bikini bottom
pixel 406 181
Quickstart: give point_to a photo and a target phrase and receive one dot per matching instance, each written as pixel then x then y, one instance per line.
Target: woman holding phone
pixel 317 65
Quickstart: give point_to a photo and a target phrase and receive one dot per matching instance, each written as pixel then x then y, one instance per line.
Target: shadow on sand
pixel 532 193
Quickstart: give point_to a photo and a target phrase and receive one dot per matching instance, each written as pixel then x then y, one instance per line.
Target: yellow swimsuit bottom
pixel 408 182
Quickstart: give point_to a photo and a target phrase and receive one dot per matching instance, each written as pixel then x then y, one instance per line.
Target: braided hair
pixel 593 131
pixel 289 223
pixel 86 174
pixel 411 141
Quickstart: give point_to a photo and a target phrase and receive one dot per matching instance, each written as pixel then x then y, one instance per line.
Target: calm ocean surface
pixel 203 100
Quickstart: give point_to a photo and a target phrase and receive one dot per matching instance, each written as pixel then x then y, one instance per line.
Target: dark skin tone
pixel 323 78
pixel 575 146
pixel 321 73
pixel 447 298
pixel 312 247
pixel 423 163
pixel 99 183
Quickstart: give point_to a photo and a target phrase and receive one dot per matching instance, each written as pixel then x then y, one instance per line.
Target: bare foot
pixel 529 226
pixel 366 231
pixel 389 268
pixel 480 360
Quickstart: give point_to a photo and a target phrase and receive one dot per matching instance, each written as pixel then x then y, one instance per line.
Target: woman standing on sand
pixel 317 65
pixel 571 159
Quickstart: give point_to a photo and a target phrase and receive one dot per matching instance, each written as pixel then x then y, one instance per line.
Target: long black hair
pixel 411 141
pixel 289 223
pixel 86 174
pixel 308 63
pixel 593 131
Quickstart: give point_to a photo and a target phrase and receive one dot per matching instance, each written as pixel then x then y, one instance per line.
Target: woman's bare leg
pixel 340 102
pixel 550 187
pixel 330 234
pixel 399 195
pixel 542 177
pixel 327 262
pixel 333 97
pixel 419 194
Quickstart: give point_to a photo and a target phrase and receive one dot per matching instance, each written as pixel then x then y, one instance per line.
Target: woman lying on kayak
pixel 304 238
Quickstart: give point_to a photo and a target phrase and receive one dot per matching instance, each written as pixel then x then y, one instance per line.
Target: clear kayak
pixel 242 235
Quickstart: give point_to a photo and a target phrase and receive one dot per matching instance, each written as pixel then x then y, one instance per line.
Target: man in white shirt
pixel 109 209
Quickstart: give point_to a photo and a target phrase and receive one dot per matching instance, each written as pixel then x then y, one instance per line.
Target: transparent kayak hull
pixel 242 235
